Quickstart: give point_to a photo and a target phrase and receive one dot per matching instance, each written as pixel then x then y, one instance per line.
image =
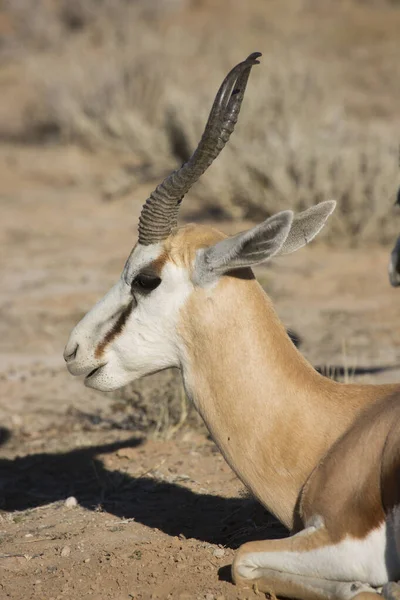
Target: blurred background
pixel 99 100
pixel 137 77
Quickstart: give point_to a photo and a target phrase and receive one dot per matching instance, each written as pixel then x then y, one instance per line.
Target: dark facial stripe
pixel 114 331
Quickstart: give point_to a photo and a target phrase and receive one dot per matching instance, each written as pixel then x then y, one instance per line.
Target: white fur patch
pixel 140 257
pixel 370 560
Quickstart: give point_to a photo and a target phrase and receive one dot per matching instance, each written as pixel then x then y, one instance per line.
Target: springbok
pixel 322 456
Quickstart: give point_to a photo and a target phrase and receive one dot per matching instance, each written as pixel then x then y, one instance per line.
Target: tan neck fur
pixel 270 413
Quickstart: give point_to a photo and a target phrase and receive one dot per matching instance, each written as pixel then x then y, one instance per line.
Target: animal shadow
pixel 40 479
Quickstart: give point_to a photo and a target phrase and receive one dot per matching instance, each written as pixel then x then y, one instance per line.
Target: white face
pixel 131 332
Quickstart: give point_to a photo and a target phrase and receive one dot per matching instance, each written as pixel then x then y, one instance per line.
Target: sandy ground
pixel 155 518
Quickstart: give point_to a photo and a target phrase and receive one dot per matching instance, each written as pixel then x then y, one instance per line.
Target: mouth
pixel 93 372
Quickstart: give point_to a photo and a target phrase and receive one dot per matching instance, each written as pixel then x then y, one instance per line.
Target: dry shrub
pixel 141 76
pixel 156 405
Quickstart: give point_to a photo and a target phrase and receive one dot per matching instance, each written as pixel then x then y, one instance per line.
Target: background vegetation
pixel 320 120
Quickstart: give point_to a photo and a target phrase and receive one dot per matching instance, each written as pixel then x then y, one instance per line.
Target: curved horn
pixel 160 211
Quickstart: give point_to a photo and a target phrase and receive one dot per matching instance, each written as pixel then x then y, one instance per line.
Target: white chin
pixel 100 381
pixel 103 382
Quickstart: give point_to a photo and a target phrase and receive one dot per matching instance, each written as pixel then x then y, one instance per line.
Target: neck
pixel 270 413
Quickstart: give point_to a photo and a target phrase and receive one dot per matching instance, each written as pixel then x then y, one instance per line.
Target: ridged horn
pixel 160 211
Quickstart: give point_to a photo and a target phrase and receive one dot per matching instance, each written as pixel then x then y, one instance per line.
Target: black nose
pixel 71 355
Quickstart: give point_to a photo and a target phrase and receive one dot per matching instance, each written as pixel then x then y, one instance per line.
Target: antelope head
pixel 135 329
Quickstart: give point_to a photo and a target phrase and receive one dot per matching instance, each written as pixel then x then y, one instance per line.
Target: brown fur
pixel 356 483
pixel 182 245
pixel 274 417
pixel 279 414
pixel 158 264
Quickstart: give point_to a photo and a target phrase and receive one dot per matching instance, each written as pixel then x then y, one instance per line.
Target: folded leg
pixel 308 566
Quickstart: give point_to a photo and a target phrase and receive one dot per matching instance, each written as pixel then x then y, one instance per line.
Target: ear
pixel 306 225
pixel 245 249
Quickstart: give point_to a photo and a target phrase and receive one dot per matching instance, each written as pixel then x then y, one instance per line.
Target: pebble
pixel 66 551
pixel 71 502
pixel 219 552
pixel 86 560
pixel 209 597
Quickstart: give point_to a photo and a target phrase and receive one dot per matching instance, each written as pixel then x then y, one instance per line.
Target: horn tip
pixel 253 58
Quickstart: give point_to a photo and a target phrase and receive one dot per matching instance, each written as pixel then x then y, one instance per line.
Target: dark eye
pixel 145 283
